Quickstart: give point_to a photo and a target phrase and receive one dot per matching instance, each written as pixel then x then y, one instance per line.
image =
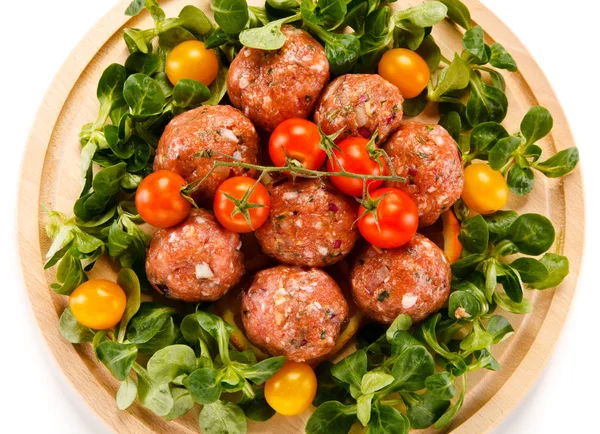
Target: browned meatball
pixel 359 105
pixel 310 224
pixel 272 86
pixel 413 279
pixel 294 312
pixel 427 156
pixel 197 260
pixel 192 142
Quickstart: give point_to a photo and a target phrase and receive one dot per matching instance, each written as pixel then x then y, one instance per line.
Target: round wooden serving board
pixel 50 178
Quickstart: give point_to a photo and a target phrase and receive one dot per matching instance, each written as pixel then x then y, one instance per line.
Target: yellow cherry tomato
pixel 406 70
pixel 292 389
pixel 450 232
pixel 192 60
pixel 98 304
pixel 485 190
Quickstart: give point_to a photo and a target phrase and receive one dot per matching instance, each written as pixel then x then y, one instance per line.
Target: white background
pixel 36 37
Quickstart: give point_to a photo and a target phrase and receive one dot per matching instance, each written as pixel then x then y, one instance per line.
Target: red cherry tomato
pixel 300 140
pixel 237 187
pixel 397 218
pixel 355 156
pixel 159 201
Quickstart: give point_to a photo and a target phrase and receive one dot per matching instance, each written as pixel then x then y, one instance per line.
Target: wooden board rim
pixel 488 416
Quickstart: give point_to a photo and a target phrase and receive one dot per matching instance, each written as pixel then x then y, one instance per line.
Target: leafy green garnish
pixel 178 373
pixel 518 155
pixel 366 384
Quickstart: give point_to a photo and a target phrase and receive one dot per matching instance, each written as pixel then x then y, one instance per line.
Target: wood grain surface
pixel 50 178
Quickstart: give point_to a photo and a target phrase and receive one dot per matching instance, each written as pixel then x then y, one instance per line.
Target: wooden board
pixel 50 178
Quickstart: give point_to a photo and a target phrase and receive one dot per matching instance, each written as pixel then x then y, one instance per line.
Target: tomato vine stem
pixel 292 169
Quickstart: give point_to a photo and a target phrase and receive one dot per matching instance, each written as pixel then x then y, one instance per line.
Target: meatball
pixel 359 105
pixel 197 260
pixel 413 279
pixel 294 312
pixel 194 140
pixel 272 86
pixel 310 224
pixel 427 156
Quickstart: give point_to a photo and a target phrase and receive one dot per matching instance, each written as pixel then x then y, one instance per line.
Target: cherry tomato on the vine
pixel 292 389
pixel 485 190
pixel 355 155
pixel 300 140
pixel 390 219
pixel 251 202
pixel 98 304
pixel 159 201
pixel 192 60
pixel 406 70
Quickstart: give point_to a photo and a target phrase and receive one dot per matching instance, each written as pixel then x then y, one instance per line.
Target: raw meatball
pixel 310 224
pixel 413 279
pixel 359 105
pixel 294 312
pixel 190 137
pixel 427 156
pixel 272 86
pixel 197 260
